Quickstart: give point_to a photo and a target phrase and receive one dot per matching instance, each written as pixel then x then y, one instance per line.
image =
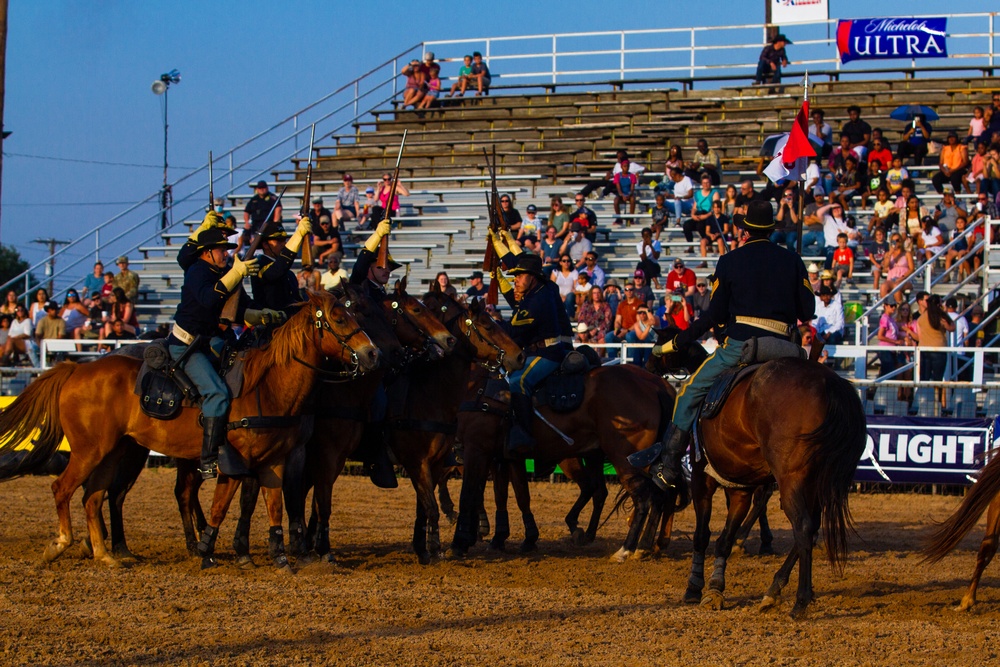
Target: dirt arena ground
pixel 562 605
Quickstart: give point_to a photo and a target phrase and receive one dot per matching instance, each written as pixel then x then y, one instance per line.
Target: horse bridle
pixel 470 322
pixel 353 367
pixel 427 340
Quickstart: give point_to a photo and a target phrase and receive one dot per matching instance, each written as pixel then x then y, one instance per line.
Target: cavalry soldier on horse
pixel 539 325
pixel 208 284
pixel 373 278
pixel 759 290
pixel 275 285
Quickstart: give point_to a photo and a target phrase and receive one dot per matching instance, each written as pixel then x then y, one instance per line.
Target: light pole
pixel 160 87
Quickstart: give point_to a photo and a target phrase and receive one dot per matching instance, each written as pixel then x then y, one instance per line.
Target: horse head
pixel 688 359
pixel 415 325
pixel 485 338
pixel 336 332
pixel 372 318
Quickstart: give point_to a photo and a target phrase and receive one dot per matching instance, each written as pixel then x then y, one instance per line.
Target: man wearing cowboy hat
pixel 760 289
pixel 539 325
pixel 275 285
pixel 772 59
pixel 208 283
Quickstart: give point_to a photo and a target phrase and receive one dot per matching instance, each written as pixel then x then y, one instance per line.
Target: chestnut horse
pixel 984 495
pixel 94 406
pixel 623 411
pixel 794 422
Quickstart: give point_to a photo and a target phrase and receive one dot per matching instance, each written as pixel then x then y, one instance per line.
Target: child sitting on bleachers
pixel 843 260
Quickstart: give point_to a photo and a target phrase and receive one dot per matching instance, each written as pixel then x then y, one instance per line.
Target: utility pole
pixel 3 69
pixel 50 268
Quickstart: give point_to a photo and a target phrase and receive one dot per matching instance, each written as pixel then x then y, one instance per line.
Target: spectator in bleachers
pixel 931 331
pixel 9 306
pixel 959 251
pixel 834 224
pixel 700 211
pixel 873 182
pixel 896 267
pixel 890 336
pixel 606 183
pixel 318 211
pixel 596 314
pixel 880 151
pixel 345 208
pixel 848 182
pixel 911 220
pixel 682 195
pixel 747 194
pixel 896 176
pixel 480 74
pixel 37 310
pixel 729 200
pixel 367 206
pixel 953 164
pixel 95 316
pixel 706 162
pixel 788 220
pixel 549 249
pixel 118 332
pixel 477 289
pixel 643 331
pixel 74 313
pixel 859 131
pixel 594 272
pixel 977 164
pixel 843 261
pixel 51 326
pixel 772 59
pixel 715 232
pixel 625 319
pixel 947 210
pixel 308 278
pixel 884 214
pixel 812 271
pixel 877 249
pixel 463 79
pixel 626 184
pixel 581 291
pixel 960 363
pixel 829 320
pixel 559 216
pixel 913 144
pixel 334 275
pixel 326 240
pixel 576 245
pixel 992 119
pixel 94 281
pixel 528 232
pixel 701 299
pixel 675 158
pixel 837 164
pixel 413 91
pixel 977 222
pixel 5 321
pixel 432 88
pixel 565 279
pixel 379 212
pixel 985 205
pixel 680 276
pixel 20 339
pixel 643 291
pixel 444 283
pixel 120 309
pixel 814 181
pixel 613 294
pixel 127 279
pixel 255 213
pixel 879 135
pixel 511 216
pixel 821 131
pixel 991 175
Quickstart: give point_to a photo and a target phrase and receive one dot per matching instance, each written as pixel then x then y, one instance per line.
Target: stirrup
pixel 208 470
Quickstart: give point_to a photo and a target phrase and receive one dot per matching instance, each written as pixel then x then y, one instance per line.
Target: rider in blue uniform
pixel 539 325
pixel 209 282
pixel 760 289
pixel 275 285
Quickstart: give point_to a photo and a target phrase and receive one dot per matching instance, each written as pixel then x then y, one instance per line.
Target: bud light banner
pixel 875 39
pixel 918 450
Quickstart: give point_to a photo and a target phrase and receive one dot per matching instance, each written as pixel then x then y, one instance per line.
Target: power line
pixel 82 203
pixel 100 162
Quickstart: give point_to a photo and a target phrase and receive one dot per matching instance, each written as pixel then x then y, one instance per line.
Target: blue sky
pixel 79 75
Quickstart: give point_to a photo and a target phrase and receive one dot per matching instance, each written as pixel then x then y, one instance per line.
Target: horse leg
pixel 295 486
pixel 666 531
pixel 766 537
pixel 186 493
pixel 522 494
pixel 129 468
pixel 275 512
pixel 427 515
pixel 987 550
pixel 470 500
pixel 645 547
pixel 573 469
pixel 739 505
pixel 599 496
pixel 804 531
pixel 225 490
pixel 755 513
pixel 641 504
pixel 501 480
pixel 93 501
pixel 702 490
pixel 445 502
pixel 249 493
pixel 773 594
pixel 63 488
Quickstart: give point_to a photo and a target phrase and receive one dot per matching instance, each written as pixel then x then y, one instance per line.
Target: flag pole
pixel 802 186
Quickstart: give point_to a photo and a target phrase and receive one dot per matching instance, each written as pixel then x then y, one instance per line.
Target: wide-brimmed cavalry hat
pixel 759 216
pixel 278 233
pixel 214 237
pixel 528 262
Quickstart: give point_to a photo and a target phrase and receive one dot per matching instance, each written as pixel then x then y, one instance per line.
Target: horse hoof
pixel 765 550
pixel 527 547
pixel 424 559
pixel 111 562
pixel 208 563
pixel 125 556
pixel 639 554
pixel 579 537
pixel 739 549
pixel 53 550
pixel 712 599
pixel 799 612
pixel 86 548
pixel 692 596
pixel 457 554
pixel 245 562
pixel 767 604
pixel 620 556
pixel 307 558
pixel 500 546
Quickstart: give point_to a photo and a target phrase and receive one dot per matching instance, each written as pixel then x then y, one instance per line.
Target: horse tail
pixel 947 535
pixel 37 407
pixel 839 442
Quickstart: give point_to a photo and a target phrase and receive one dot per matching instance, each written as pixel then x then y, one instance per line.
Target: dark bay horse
pixel 623 412
pixel 93 405
pixel 794 422
pixel 984 495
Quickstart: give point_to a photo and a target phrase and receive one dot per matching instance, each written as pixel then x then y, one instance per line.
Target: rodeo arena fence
pixel 915 435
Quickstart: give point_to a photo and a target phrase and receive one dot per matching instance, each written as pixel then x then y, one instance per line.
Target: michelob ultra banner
pixel 921 450
pixel 875 39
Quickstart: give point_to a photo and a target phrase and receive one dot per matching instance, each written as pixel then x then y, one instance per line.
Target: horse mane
pixel 288 341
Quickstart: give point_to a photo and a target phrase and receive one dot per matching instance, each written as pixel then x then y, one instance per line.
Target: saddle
pixel 563 390
pixel 755 352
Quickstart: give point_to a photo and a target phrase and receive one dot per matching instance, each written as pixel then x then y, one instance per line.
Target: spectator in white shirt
pixel 829 321
pixel 683 194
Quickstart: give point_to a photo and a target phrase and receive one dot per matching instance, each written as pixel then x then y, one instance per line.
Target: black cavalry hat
pixel 759 216
pixel 214 237
pixel 528 262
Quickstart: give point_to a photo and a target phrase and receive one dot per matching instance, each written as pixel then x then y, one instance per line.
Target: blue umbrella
pixel 911 111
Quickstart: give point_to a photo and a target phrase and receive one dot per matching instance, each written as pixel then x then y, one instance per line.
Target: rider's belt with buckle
pixel 774 326
pixel 181 335
pixel 548 342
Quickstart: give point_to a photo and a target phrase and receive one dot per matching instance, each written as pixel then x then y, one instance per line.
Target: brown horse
pixel 984 495
pixel 94 406
pixel 623 411
pixel 794 422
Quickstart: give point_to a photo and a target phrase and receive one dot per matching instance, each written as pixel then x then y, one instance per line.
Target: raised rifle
pixel 307 255
pixel 211 184
pixel 382 260
pixel 497 223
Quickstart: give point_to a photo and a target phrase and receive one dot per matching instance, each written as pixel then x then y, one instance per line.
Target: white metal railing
pixel 687 53
pixel 68 346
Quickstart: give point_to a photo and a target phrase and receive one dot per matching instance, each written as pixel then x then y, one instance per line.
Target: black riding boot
pixel 376 457
pixel 213 436
pixel 520 442
pixel 665 471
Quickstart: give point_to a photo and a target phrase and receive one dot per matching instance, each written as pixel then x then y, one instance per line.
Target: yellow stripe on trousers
pixel 527 370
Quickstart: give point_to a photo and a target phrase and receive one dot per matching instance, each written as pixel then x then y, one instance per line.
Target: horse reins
pixel 322 324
